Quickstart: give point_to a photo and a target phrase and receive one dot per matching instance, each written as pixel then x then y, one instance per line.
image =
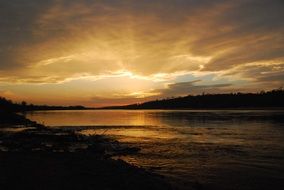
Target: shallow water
pixel 225 149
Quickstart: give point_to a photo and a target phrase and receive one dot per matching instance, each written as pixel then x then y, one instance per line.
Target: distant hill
pixel 261 100
pixel 9 106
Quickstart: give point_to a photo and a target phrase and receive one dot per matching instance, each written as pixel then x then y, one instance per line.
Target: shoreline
pixel 39 157
pixel 169 109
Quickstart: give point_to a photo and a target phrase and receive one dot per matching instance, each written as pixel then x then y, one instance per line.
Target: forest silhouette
pixel 263 99
pixel 268 99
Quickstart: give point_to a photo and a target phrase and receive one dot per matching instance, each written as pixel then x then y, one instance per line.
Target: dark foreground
pixel 35 157
pixel 46 171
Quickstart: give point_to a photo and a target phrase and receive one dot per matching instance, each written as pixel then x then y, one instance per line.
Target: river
pixel 224 149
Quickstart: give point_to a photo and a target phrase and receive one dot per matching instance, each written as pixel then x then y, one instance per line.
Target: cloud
pixel 192 87
pixel 265 74
pixel 17 22
pixel 144 37
pixel 55 41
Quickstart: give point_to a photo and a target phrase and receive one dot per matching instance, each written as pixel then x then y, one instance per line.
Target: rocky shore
pixel 33 156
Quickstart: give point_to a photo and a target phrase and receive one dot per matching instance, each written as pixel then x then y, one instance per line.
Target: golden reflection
pixel 130 134
pixel 96 117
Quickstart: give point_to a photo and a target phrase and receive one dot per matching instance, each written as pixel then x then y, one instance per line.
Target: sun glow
pixel 86 51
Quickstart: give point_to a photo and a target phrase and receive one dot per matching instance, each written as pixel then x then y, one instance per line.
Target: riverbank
pixel 35 157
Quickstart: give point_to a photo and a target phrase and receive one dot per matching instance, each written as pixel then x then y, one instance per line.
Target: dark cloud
pixel 271 74
pixel 273 77
pixel 254 50
pixel 192 87
pixel 17 22
pixel 247 31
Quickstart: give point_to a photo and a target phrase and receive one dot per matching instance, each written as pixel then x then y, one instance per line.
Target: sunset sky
pixel 111 52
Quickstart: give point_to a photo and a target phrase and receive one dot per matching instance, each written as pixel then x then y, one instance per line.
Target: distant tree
pixel 24 104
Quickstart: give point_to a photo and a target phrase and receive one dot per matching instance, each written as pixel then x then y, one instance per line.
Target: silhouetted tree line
pixel 269 99
pixel 9 106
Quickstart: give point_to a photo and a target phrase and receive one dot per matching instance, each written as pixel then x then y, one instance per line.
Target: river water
pixel 210 149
